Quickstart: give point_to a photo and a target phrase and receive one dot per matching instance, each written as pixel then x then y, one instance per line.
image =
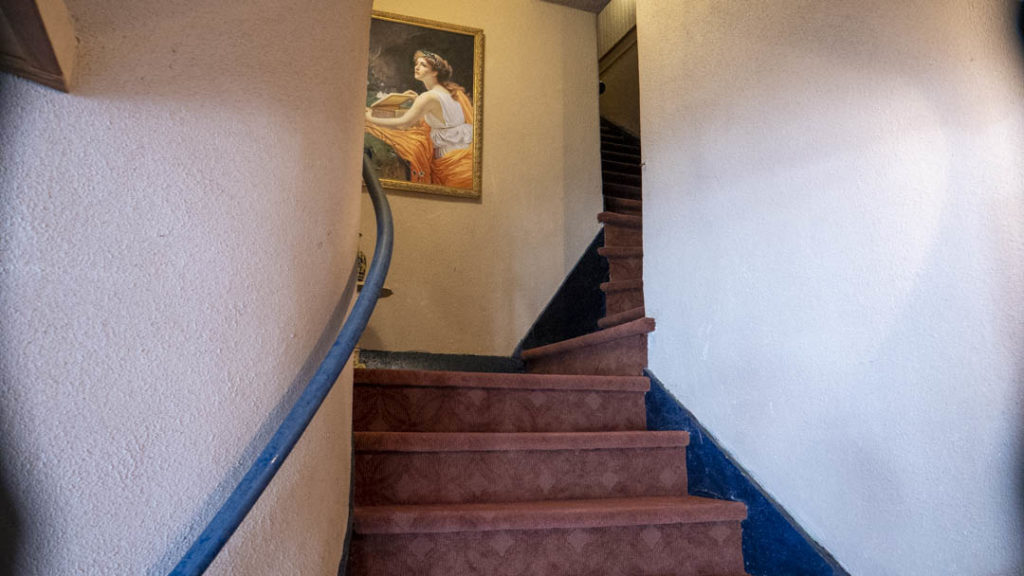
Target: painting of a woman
pixel 435 135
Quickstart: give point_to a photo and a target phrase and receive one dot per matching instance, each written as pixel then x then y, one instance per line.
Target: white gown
pixel 451 132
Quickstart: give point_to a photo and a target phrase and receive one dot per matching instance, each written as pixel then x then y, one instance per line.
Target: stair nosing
pixel 631 202
pixel 632 188
pixel 432 442
pixel 621 317
pixel 616 173
pixel 622 285
pixel 545 515
pixel 621 251
pixel 623 220
pixel 629 145
pixel 618 164
pixel 499 380
pixel 634 328
pixel 633 158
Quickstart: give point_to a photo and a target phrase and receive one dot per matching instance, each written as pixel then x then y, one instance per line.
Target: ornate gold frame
pixel 478 108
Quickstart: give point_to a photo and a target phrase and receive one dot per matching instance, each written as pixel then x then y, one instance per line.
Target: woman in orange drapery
pixel 435 135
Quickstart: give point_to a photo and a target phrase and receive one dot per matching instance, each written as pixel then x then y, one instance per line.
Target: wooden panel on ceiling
pixel 613 23
pixel 594 6
pixel 37 41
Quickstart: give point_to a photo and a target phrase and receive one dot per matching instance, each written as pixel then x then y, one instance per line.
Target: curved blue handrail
pixel 233 511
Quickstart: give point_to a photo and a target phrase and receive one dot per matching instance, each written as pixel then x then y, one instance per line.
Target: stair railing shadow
pixel 1020 377
pixel 236 507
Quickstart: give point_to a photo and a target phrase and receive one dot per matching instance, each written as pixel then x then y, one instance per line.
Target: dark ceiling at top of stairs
pixel 594 6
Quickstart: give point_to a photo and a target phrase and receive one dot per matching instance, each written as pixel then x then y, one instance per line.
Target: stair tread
pixel 621 317
pixel 618 136
pixel 626 157
pixel 621 251
pixel 614 139
pixel 621 285
pixel 634 328
pixel 626 175
pixel 613 142
pixel 624 202
pixel 544 514
pixel 517 381
pixel 610 165
pixel 625 220
pixel 511 441
pixel 613 146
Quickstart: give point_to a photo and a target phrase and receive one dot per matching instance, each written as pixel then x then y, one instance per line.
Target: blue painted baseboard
pixel 773 544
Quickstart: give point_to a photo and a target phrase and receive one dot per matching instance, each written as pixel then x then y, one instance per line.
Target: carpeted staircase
pixel 546 473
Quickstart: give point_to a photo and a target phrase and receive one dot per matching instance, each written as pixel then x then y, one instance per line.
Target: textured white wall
pixel 175 240
pixel 471 277
pixel 834 251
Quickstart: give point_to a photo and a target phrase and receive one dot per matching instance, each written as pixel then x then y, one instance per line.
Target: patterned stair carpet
pixel 525 474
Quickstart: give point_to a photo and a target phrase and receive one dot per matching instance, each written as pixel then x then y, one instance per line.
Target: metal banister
pixel 206 547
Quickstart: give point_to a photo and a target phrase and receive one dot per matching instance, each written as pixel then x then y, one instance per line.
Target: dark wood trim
pixel 27 48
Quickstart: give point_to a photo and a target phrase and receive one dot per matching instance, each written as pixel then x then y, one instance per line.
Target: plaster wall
pixel 177 238
pixel 834 251
pixel 470 277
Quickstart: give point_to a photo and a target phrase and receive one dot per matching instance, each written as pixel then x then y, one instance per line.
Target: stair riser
pixel 623 205
pixel 619 140
pixel 623 357
pixel 426 409
pixel 615 235
pixel 622 191
pixel 625 268
pixel 654 550
pixel 384 478
pixel 622 300
pixel 615 135
pixel 621 157
pixel 620 148
pixel 615 319
pixel 620 167
pixel 619 178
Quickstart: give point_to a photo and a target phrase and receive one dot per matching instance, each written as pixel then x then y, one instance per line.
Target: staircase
pixel 546 473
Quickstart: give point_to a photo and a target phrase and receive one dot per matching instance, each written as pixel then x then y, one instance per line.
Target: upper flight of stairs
pixel 620 347
pixel 547 473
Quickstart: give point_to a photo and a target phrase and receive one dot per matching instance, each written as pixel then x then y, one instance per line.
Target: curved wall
pixel 176 237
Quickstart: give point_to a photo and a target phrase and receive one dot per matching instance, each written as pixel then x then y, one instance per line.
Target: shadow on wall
pixel 10 519
pixel 10 524
pixel 1020 377
pixel 1020 23
pixel 1020 26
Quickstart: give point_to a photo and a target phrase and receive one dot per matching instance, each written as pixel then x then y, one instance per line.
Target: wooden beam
pixel 37 41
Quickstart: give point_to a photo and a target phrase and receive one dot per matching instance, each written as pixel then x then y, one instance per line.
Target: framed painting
pixel 424 105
